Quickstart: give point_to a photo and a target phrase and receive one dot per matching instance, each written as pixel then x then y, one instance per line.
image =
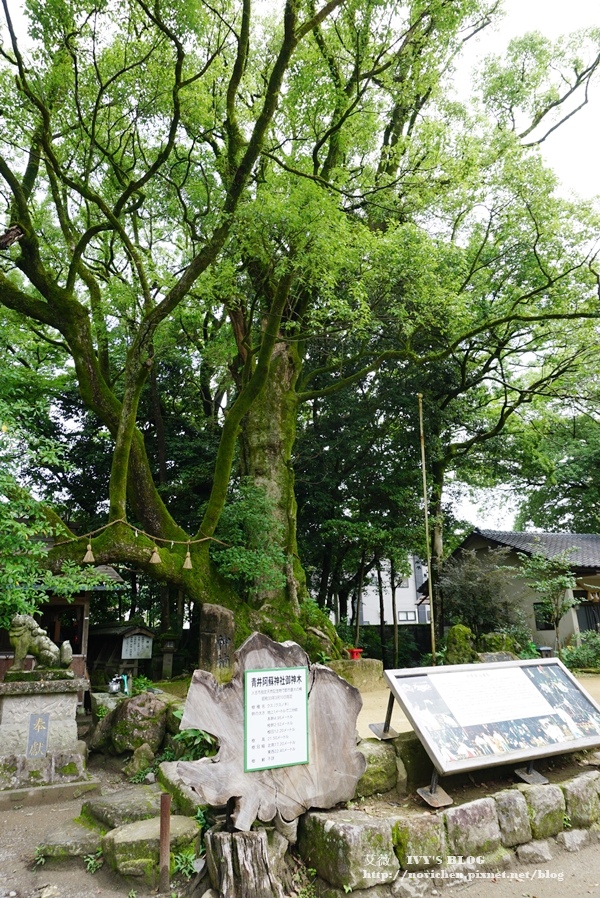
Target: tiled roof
pixel 586 546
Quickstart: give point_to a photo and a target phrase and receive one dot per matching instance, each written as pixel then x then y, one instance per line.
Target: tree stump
pixel 238 865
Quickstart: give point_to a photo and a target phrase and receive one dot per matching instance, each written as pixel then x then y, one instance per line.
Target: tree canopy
pixel 217 220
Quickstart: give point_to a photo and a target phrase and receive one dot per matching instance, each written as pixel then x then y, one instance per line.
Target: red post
pixel 165 842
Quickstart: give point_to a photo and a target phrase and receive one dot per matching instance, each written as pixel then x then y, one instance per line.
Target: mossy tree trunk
pixel 267 437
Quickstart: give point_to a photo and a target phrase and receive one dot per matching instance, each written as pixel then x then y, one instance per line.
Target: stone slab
pixel 473 828
pixel 40 795
pixel 350 849
pixel 573 839
pixel 133 849
pixel 72 840
pixel 126 806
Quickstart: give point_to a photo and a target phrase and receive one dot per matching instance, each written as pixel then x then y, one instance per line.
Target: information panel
pixel 479 715
pixel 275 718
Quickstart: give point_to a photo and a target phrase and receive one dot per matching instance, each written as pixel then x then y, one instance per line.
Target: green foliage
pixel 93 862
pixel 183 862
pixel 39 858
pixel 141 684
pixel 586 655
pixel 476 588
pixel 249 553
pixel 202 817
pixel 552 580
pixel 101 711
pixel 193 744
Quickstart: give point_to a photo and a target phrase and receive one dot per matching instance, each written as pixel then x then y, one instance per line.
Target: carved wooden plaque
pixel 335 764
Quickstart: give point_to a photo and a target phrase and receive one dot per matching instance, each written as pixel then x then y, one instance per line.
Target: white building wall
pixel 407 607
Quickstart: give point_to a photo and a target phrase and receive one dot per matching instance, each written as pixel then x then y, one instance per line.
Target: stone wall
pixel 391 851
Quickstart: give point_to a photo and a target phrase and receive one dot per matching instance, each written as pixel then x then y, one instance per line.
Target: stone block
pixel 473 828
pixel 419 842
pixel 381 773
pixel 137 720
pixel 125 806
pixel 72 840
pixel 348 849
pixel 186 799
pixel 417 763
pixel 537 852
pixel 17 710
pixel 513 817
pixel 133 849
pixel 216 638
pixel 401 777
pixel 366 674
pixel 546 809
pixel 573 839
pixel 581 798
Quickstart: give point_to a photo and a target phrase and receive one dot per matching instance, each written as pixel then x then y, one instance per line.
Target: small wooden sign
pixel 37 739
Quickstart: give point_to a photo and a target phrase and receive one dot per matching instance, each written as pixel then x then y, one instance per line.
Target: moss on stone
pixel 87 820
pixel 69 769
pixel 460 646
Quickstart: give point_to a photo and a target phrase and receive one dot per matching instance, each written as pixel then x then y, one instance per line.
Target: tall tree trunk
pixel 267 437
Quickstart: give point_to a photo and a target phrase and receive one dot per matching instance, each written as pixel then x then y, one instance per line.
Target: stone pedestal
pixel 217 627
pixel 38 733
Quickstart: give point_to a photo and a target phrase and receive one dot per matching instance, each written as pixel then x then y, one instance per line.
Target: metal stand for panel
pixel 383 730
pixel 531 776
pixel 435 796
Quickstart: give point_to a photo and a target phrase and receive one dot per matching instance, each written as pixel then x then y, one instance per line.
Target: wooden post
pixel 165 842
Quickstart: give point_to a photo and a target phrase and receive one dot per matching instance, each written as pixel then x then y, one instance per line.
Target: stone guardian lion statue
pixel 28 638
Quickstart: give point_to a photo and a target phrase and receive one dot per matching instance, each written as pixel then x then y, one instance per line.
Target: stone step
pixel 133 849
pixel 39 795
pixel 125 806
pixel 72 840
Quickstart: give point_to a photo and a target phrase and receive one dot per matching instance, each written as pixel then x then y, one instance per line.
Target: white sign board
pixel 478 715
pixel 136 646
pixel 275 718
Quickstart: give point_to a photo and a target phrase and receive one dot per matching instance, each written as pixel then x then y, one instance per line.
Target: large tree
pixel 255 189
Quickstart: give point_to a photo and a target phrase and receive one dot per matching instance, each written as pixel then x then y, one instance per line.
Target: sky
pixel 572 151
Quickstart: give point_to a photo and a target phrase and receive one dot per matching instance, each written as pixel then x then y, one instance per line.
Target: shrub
pixel 586 655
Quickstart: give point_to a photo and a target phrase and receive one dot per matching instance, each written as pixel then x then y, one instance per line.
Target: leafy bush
pixel 193 744
pixel 586 655
pixel 250 553
pixel 141 684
